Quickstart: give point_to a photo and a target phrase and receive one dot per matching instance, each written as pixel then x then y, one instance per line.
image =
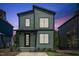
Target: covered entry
pixel 26 40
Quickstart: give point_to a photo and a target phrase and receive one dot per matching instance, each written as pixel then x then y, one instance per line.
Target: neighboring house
pixel 6 31
pixel 35 29
pixel 69 33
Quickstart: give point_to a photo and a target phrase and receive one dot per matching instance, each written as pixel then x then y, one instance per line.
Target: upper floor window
pixel 27 22
pixel 44 22
pixel 43 38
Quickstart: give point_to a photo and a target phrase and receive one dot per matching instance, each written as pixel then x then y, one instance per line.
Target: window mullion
pixel 44 39
pixel 44 22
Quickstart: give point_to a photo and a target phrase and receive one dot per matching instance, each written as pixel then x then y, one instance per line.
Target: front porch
pixel 26 40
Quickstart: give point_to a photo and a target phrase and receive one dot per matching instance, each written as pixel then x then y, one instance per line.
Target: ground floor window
pixel 43 38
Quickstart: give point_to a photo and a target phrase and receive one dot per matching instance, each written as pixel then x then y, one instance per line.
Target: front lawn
pixel 63 53
pixel 55 54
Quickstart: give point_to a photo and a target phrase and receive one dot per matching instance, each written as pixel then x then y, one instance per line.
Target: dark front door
pixel 27 40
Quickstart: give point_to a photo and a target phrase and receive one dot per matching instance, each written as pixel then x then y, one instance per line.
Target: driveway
pixel 32 54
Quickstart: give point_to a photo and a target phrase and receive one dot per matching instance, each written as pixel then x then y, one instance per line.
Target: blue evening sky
pixel 63 11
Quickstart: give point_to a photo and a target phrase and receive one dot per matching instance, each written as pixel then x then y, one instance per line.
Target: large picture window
pixel 27 22
pixel 43 38
pixel 43 22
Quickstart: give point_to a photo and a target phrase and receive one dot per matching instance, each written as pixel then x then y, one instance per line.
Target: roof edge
pixel 7 22
pixel 67 21
pixel 52 12
pixel 25 12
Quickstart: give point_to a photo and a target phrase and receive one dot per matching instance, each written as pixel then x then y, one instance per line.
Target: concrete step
pixel 27 48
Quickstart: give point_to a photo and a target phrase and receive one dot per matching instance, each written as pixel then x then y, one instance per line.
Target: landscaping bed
pixel 7 52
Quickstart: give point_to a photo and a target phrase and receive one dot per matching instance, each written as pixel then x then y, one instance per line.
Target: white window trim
pixel 44 38
pixel 44 23
pixel 27 22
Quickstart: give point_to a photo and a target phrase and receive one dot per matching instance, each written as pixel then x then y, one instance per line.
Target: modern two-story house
pixel 35 29
pixel 6 31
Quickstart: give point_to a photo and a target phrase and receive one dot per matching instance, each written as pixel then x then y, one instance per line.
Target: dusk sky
pixel 63 11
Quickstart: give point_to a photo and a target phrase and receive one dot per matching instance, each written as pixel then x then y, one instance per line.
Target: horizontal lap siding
pixel 32 40
pixel 40 14
pixel 35 25
pixel 50 39
pixel 22 21
pixel 21 42
pixel 22 39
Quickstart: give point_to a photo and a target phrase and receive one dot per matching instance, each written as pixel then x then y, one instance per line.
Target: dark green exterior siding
pixel 22 19
pixel 40 14
pixel 35 27
pixel 21 40
pixel 50 39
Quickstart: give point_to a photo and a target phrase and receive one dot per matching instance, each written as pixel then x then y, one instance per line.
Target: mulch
pixel 8 53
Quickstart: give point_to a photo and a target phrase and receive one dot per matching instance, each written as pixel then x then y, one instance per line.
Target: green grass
pixel 53 53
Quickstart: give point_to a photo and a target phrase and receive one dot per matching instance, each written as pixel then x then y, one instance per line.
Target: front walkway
pixel 32 54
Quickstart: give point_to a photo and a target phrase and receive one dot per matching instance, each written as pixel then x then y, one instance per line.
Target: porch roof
pixel 34 30
pixel 25 30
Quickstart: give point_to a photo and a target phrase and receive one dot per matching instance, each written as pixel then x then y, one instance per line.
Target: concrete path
pixel 32 54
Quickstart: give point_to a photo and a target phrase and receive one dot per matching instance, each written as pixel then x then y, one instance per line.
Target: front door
pixel 27 40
